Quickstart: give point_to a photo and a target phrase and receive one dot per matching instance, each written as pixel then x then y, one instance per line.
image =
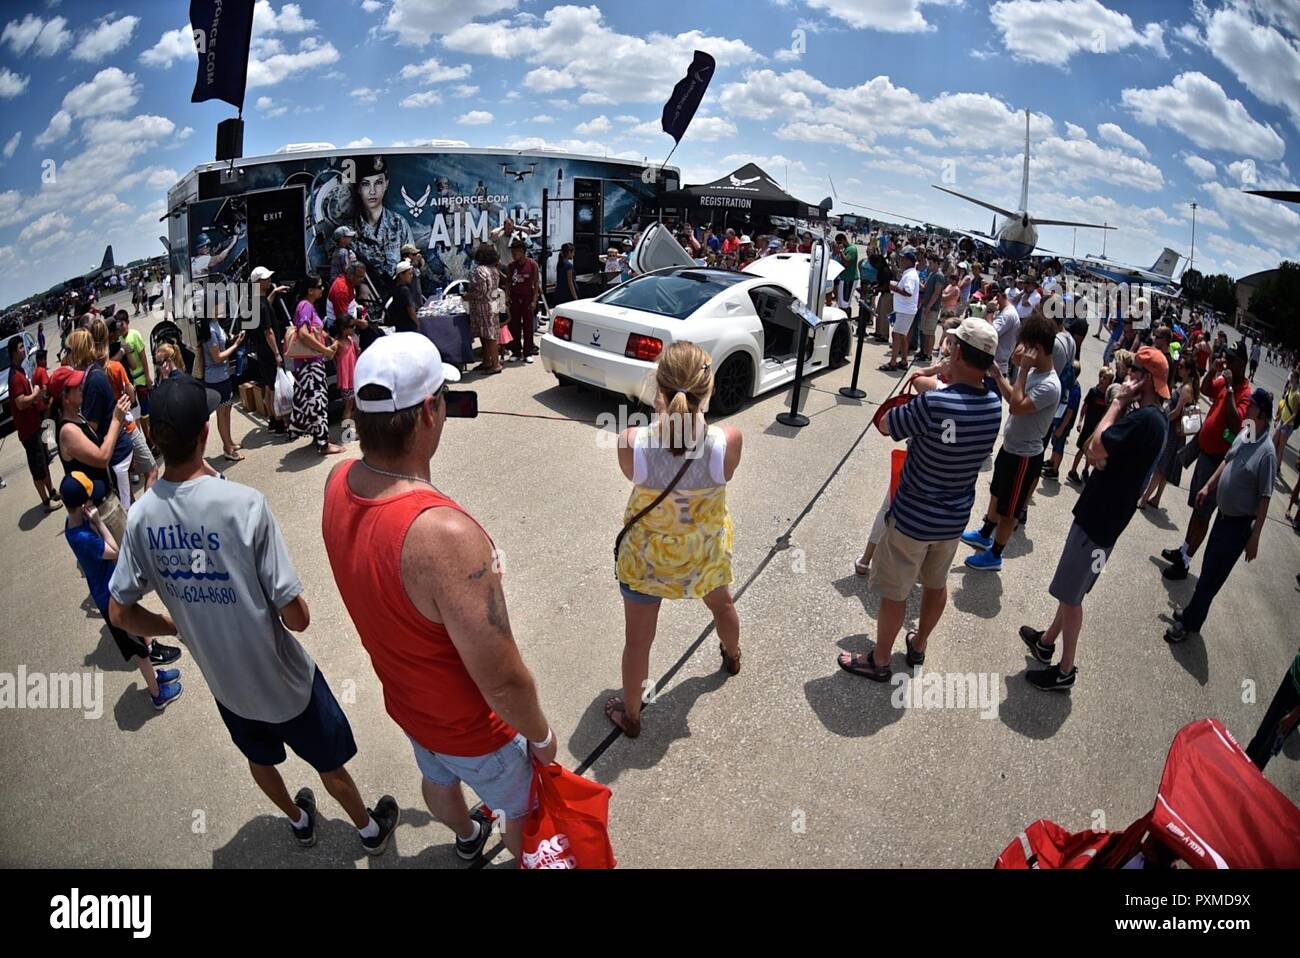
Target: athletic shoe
pixel 1177 633
pixel 1050 473
pixel 386 815
pixel 167 676
pixel 472 849
pixel 306 800
pixel 985 561
pixel 1051 680
pixel 530 360
pixel 1172 555
pixel 160 654
pixel 974 538
pixel 1176 571
pixel 1074 477
pixel 167 694
pixel 1178 615
pixel 1033 639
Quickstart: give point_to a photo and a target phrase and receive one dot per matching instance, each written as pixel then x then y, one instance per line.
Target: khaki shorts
pixel 930 324
pixel 900 561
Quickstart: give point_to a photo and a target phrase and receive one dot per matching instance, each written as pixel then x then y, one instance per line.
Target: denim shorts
pixel 502 779
pixel 640 598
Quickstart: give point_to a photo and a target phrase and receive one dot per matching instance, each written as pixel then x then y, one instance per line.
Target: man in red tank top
pixel 440 643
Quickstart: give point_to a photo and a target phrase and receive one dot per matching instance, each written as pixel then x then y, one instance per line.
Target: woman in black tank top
pixel 81 449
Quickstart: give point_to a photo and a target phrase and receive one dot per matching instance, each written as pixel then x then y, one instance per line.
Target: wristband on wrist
pixel 544 743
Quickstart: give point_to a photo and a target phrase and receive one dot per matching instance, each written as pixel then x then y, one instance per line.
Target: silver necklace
pixel 396 475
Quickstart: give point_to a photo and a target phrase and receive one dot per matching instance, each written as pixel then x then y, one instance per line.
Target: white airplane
pixel 1019 233
pixel 1161 272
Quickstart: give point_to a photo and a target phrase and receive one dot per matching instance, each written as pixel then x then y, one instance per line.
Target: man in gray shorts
pixel 1124 448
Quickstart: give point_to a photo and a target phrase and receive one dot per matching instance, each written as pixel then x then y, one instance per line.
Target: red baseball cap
pixel 64 377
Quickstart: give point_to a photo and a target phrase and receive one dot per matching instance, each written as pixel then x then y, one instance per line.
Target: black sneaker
pixel 1177 615
pixel 1073 477
pixel 1051 680
pixel 1172 555
pixel 305 836
pixel 386 815
pixel 1033 639
pixel 160 654
pixel 472 849
pixel 1177 633
pixel 1176 571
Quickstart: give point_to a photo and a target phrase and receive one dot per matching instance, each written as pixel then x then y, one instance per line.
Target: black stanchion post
pixel 816 294
pixel 794 417
pixel 852 391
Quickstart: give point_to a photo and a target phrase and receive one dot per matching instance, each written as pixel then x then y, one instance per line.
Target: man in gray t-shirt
pixel 1243 486
pixel 1031 399
pixel 214 554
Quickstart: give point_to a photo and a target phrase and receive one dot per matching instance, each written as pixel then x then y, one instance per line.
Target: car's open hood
pixel 791 270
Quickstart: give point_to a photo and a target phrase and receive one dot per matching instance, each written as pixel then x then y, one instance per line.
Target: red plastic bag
pixel 907 394
pixel 896 459
pixel 569 828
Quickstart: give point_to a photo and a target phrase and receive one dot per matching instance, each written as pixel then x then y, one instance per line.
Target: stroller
pixel 168 332
pixel 1214 810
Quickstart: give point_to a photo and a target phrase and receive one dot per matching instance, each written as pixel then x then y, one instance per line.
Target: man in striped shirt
pixel 950 433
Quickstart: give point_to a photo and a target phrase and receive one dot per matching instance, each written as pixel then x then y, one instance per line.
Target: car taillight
pixel 643 347
pixel 562 328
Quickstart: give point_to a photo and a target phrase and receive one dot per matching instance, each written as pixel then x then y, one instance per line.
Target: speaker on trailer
pixel 230 139
pixel 588 218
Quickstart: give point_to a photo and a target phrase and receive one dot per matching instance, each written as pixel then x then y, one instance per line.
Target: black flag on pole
pixel 687 94
pixel 223 30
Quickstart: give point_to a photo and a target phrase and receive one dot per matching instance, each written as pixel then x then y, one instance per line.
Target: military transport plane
pixel 1161 272
pixel 1018 235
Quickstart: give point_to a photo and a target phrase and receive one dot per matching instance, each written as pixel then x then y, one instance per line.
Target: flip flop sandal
pixel 887 368
pixel 731 665
pixel 861 568
pixel 234 457
pixel 863 664
pixel 914 658
pixel 629 728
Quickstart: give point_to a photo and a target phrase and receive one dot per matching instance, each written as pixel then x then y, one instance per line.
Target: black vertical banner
pixel 223 31
pixel 687 94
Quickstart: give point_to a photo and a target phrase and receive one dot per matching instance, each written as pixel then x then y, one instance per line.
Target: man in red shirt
pixel 26 403
pixel 1228 391
pixel 440 641
pixel 342 295
pixel 524 280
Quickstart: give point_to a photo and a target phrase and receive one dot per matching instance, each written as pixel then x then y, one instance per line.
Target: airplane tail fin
pixel 1024 180
pixel 108 258
pixel 1165 262
pixel 993 229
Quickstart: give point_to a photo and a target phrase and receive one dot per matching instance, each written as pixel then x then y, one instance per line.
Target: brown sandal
pixel 731 665
pixel 615 706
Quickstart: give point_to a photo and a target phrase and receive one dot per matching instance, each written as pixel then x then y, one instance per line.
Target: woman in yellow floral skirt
pixel 682 548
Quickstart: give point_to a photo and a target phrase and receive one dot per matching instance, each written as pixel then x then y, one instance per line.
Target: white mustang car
pixel 747 321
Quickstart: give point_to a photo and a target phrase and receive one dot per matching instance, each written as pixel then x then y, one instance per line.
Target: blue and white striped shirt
pixel 950 433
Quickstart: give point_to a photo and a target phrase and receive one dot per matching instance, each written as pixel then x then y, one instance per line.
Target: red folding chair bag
pixel 569 828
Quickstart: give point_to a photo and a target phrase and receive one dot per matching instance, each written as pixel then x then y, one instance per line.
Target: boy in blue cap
pixel 96 551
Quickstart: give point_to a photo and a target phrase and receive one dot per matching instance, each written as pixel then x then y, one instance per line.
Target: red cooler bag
pixel 906 395
pixel 569 828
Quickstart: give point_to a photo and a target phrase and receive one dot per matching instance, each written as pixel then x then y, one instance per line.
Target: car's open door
pixel 657 249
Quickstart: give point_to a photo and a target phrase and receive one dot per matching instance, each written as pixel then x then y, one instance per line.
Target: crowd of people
pixel 996 361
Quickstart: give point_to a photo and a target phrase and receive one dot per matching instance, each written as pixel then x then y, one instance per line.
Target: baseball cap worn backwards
pixel 181 404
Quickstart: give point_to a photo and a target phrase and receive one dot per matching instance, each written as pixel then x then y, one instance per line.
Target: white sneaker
pixel 529 359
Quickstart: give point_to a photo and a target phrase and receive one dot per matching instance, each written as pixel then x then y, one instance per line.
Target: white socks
pixel 302 822
pixel 371 829
pixel 1186 554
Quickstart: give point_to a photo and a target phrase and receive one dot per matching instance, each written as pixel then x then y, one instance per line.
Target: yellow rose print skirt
pixel 681 550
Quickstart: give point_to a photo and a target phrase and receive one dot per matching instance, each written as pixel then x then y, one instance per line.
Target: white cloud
pixel 107 37
pixel 275 67
pixel 573 46
pixel 432 71
pixel 416 21
pixel 703 129
pixel 591 98
pixel 475 118
pixel 586 147
pixel 422 99
pixel 600 124
pixel 463 91
pixel 1198 108
pixel 269 107
pixel 43 226
pixel 889 16
pixel 173 45
pixel 365 93
pixel 11 84
pixel 359 144
pixel 1202 167
pixel 1052 31
pixel 43 37
pixel 1266 61
pixel 786 55
pixel 428 143
pixel 541 118
pixel 1266 220
pixel 1244 171
pixel 1113 133
pixel 59 126
pixel 147 127
pixel 371 6
pixel 1076 132
pixel 11 145
pixel 288 20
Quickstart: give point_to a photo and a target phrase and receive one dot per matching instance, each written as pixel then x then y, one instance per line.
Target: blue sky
pixel 1137 108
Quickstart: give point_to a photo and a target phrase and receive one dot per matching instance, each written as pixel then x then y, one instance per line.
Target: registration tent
pixel 747 192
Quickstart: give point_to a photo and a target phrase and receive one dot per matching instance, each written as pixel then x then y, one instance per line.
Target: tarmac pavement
pixel 791 763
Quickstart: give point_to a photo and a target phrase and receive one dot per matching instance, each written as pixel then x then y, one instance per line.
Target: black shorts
pixel 38 463
pixel 1013 477
pixel 129 645
pixel 1205 466
pixel 320 736
pixel 225 389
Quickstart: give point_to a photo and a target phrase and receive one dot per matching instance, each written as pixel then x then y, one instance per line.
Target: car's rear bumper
pixel 596 367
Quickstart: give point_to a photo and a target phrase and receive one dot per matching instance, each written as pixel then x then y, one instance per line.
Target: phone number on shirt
pixel 199 593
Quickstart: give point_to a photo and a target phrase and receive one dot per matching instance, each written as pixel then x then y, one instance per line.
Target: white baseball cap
pixel 402 267
pixel 260 273
pixel 978 333
pixel 344 231
pixel 408 365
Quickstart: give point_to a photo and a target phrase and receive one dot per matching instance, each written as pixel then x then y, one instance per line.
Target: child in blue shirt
pixel 1065 416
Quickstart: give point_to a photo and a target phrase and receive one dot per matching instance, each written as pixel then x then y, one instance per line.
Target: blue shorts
pixel 502 779
pixel 640 598
pixel 320 736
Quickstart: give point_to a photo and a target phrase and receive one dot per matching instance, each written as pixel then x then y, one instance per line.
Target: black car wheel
pixel 840 346
pixel 732 384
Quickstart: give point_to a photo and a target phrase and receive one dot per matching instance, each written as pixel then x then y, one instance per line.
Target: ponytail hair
pixel 684 377
pixel 81 348
pixel 99 334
